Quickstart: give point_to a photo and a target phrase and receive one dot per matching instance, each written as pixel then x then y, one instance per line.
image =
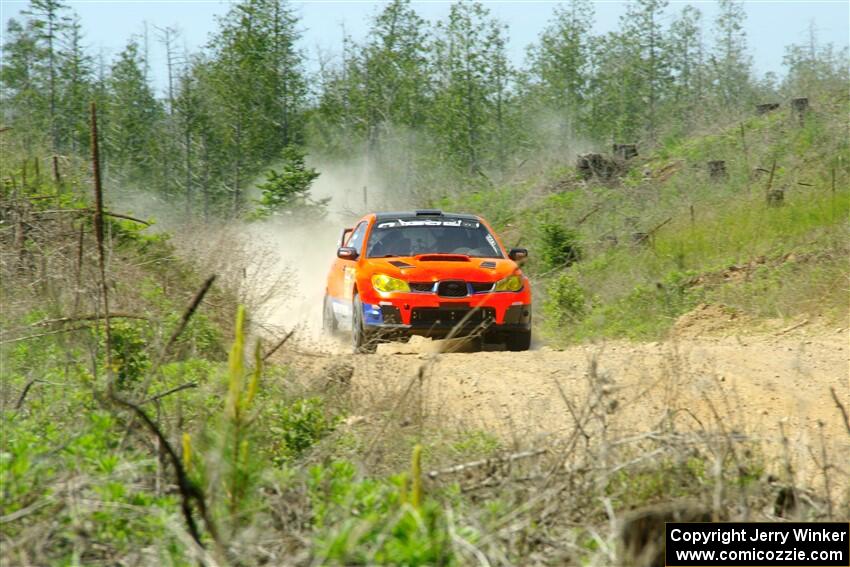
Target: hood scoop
pixel 443 258
pixel 488 264
pixel 401 265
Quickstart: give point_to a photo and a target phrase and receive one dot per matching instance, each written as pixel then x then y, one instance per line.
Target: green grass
pixel 793 252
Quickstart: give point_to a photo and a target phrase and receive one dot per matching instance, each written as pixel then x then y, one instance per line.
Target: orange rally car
pixel 427 273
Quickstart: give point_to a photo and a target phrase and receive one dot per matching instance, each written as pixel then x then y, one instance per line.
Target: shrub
pixel 129 351
pixel 300 425
pixel 566 301
pixel 559 246
pixel 375 522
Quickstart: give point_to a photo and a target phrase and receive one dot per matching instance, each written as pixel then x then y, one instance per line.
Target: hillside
pixel 624 256
pixel 172 436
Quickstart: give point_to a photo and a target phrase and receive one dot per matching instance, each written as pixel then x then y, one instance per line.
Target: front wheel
pixel 360 338
pixel 517 341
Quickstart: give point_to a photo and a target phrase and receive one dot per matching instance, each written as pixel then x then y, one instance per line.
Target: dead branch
pixel 770 178
pixel 25 391
pixel 792 327
pixel 23 512
pixel 180 388
pixel 127 217
pixel 278 345
pixel 88 211
pixel 841 408
pixel 29 337
pixel 98 231
pixel 90 317
pixel 485 462
pixel 652 231
pixel 187 316
pixel 181 326
pixel 189 491
pixel 588 214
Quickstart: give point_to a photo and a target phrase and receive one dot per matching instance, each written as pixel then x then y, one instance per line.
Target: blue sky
pixel 771 24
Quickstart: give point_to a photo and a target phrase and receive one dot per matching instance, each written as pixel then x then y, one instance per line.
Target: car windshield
pixel 411 237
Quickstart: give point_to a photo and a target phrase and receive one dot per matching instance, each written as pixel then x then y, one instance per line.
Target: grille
pixel 421 287
pixel 391 315
pixel 445 317
pixel 452 288
pixel 481 287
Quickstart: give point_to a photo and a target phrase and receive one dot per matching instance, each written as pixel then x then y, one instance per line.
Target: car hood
pixel 438 267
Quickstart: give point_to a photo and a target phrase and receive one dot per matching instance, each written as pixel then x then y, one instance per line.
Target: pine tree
pixel 288 191
pixel 76 87
pixel 814 68
pixel 134 117
pixel 48 21
pixel 687 64
pixel 649 70
pixel 25 104
pixel 258 86
pixel 395 65
pixel 471 75
pixel 614 89
pixel 379 94
pixel 731 61
pixel 559 66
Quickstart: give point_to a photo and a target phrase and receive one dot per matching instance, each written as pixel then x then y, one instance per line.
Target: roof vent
pixel 429 213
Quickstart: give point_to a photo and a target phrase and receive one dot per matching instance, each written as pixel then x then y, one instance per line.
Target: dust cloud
pixel 305 248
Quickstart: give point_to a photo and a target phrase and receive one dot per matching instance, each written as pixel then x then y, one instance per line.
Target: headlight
pixel 510 283
pixel 386 284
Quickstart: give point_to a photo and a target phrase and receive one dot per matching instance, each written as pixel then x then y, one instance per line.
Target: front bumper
pixel 434 316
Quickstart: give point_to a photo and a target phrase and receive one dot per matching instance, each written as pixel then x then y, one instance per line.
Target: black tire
pixel 329 323
pixel 518 341
pixel 360 338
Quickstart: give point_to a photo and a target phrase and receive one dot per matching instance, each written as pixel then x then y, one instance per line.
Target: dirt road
pixel 758 385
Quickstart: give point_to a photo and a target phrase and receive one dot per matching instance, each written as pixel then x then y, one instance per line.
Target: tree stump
pixel 625 151
pixel 642 534
pixel 775 197
pixel 717 170
pixel 766 107
pixel 595 165
pixel 799 109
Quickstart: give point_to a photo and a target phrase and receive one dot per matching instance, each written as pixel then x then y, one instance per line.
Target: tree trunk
pixel 799 109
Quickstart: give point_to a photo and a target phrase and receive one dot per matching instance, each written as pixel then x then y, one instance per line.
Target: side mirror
pixel 344 235
pixel 346 253
pixel 518 254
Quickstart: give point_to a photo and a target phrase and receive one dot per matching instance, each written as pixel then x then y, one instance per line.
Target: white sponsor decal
pixel 428 222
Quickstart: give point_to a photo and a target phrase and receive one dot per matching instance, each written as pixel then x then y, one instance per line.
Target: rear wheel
pixel 518 341
pixel 361 339
pixel 329 322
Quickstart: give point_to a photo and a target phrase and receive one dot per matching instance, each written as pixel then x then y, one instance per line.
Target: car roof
pixel 428 213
